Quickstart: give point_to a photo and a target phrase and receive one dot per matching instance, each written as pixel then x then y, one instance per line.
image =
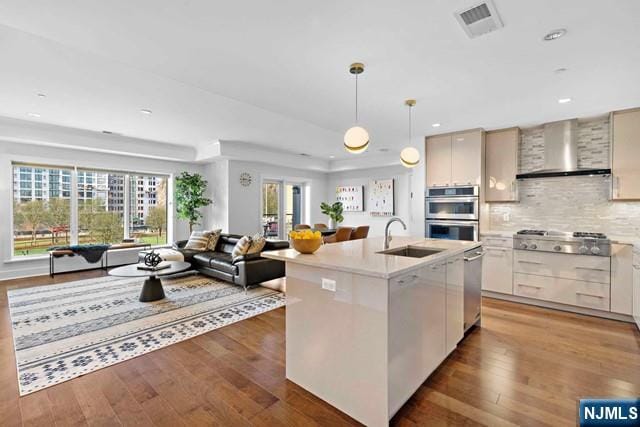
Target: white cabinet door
pixel 636 288
pixel 622 279
pixel 416 331
pixel 625 149
pixel 497 270
pixel 438 153
pixel 433 286
pixel 466 158
pixel 455 302
pixel 501 151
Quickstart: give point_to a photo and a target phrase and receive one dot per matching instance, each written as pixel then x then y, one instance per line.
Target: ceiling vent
pixel 479 19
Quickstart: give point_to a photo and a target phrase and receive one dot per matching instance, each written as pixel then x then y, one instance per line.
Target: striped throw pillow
pixel 199 240
pixel 242 247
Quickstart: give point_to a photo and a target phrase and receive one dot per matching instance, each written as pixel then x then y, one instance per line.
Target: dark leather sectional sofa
pixel 245 271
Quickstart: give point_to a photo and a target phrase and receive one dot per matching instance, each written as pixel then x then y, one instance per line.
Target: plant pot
pixel 332 223
pixel 306 246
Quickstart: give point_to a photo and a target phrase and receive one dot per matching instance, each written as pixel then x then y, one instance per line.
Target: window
pixel 42 198
pixel 99 220
pixel 148 211
pixel 41 214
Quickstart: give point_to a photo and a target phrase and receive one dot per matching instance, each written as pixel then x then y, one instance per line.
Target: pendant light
pixel 356 139
pixel 410 156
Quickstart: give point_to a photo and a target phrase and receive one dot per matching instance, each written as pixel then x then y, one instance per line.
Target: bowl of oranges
pixel 306 241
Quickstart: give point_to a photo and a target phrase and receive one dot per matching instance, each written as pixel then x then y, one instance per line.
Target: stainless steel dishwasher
pixel 472 287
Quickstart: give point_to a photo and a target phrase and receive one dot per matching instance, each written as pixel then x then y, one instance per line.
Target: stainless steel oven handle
pixel 452 199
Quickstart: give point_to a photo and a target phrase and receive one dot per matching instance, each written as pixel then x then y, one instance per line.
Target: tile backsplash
pixel 578 203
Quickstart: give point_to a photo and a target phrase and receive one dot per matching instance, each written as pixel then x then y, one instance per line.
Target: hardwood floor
pixel 525 366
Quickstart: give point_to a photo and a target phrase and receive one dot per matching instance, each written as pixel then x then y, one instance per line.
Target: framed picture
pixel 381 197
pixel 352 197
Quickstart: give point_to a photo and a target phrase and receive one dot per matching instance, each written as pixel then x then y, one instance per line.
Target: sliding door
pixel 282 208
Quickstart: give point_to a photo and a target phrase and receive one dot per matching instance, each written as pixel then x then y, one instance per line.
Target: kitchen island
pixel 364 329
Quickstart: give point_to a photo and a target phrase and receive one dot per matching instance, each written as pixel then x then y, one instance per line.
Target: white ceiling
pixel 275 73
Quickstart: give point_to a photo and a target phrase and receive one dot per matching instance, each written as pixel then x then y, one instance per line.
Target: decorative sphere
pixel 152 259
pixel 410 157
pixel 356 140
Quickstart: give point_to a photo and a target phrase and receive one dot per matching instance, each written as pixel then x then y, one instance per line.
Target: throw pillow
pixel 241 247
pixel 257 244
pixel 213 241
pixel 199 240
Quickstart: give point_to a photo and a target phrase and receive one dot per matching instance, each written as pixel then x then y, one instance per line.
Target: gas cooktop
pixel 580 243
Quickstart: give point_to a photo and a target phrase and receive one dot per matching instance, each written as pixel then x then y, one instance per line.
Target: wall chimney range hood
pixel 561 153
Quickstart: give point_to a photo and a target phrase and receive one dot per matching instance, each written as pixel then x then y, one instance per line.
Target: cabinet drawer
pixel 566 266
pixel 496 241
pixel 497 272
pixel 564 291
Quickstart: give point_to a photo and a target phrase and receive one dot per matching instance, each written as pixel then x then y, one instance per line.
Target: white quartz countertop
pixel 363 257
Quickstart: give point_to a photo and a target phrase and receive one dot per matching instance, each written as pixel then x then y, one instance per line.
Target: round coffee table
pixel 152 287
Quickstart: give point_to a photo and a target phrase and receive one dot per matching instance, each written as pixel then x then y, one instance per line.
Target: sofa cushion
pixel 227 242
pixel 216 260
pixel 199 240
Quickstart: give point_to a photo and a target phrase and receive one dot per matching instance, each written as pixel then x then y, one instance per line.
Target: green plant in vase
pixel 334 212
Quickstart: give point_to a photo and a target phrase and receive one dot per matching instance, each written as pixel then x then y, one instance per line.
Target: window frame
pixel 74 197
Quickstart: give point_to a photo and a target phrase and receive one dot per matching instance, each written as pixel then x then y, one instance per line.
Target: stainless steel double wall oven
pixel 453 212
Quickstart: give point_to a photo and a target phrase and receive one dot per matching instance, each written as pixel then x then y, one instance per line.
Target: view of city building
pixel 42 206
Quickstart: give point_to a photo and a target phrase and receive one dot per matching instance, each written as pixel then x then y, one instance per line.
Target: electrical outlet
pixel 506 217
pixel 328 284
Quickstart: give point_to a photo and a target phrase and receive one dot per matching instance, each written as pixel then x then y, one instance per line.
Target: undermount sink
pixel 411 251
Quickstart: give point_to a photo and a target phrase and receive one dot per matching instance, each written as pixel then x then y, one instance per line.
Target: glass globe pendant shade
pixel 356 139
pixel 410 157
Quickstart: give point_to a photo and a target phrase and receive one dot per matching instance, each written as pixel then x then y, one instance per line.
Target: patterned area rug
pixel 64 331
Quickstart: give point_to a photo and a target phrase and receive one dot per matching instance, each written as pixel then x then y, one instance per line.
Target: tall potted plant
pixel 190 189
pixel 334 212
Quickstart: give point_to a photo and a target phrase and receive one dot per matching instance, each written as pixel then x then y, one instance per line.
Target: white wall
pixel 402 199
pixel 217 175
pixel 245 202
pixel 11 151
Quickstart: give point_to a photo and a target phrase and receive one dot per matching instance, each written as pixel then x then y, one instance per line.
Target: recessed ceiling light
pixel 332 157
pixel 145 111
pixel 435 125
pixel 564 100
pixel 41 95
pixel 33 114
pixel 554 34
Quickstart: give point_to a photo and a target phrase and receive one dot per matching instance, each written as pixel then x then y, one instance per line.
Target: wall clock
pixel 245 179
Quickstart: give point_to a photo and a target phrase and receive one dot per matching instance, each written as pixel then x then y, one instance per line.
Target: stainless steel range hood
pixel 561 153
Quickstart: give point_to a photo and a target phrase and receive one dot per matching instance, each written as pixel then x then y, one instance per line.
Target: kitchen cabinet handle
pixel 589 295
pixel 530 286
pixel 497 249
pixel 524 261
pixel 473 258
pixel 513 189
pixel 590 268
pixel 408 280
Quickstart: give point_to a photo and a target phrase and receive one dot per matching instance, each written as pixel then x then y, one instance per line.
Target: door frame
pixel 282 183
